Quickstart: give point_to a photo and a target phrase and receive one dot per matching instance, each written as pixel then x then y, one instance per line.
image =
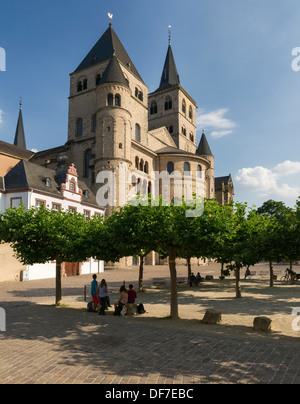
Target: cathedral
pixel 114 123
pixel 114 126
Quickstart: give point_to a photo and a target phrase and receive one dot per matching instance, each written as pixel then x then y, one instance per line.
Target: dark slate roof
pixel 26 175
pixel 203 148
pixel 20 134
pixel 15 151
pixel 222 180
pixel 104 49
pixel 113 73
pixel 169 76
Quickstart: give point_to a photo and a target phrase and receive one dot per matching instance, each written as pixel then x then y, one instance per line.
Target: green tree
pixel 279 239
pixel 40 236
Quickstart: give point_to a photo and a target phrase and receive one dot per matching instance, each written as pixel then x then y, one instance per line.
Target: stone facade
pixel 116 126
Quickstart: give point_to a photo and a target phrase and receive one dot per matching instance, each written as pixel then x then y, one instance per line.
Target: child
pixel 95 293
pixel 131 294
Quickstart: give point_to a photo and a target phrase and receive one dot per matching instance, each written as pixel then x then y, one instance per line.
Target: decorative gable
pixel 70 189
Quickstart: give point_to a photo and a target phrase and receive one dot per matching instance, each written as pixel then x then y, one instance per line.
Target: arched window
pixel 79 128
pixel 85 84
pixel 136 92
pixel 168 103
pixel 137 162
pixel 183 130
pixel 153 108
pixel 191 113
pixel 191 137
pixel 137 132
pixel 199 171
pixel 117 100
pixel 142 165
pixel 110 99
pixel 94 123
pixel 146 167
pixel 141 96
pixel 79 86
pixel 187 169
pixel 87 159
pixel 170 167
pixel 183 107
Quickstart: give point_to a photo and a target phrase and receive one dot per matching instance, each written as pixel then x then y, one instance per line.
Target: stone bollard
pixel 263 324
pixel 131 309
pixel 212 317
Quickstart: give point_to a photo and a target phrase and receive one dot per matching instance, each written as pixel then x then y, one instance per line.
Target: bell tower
pixel 171 106
pixel 108 101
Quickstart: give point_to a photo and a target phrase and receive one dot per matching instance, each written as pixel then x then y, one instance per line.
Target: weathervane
pixel 170 26
pixel 110 18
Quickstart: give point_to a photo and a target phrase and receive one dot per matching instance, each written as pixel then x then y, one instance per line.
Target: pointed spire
pixel 203 148
pixel 20 134
pixel 169 76
pixel 113 72
pixel 103 50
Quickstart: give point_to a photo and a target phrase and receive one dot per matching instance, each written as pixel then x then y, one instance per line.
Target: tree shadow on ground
pixel 140 347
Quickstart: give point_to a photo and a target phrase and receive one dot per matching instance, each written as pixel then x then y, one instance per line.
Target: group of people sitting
pixel 196 279
pixel 101 299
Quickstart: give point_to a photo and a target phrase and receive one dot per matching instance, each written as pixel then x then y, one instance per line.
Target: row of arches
pixel 186 168
pixel 82 84
pixel 141 165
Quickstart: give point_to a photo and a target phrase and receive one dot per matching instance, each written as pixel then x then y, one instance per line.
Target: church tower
pixel 20 133
pixel 171 106
pixel 108 108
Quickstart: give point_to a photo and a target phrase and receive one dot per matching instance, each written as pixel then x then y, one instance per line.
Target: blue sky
pixel 233 56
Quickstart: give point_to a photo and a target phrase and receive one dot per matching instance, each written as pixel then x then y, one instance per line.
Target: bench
pixel 159 281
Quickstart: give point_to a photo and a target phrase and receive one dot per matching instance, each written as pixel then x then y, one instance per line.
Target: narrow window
pixel 153 108
pixel 183 107
pixel 98 79
pixel 199 171
pixel 137 132
pixel 191 113
pixel 187 169
pixel 168 104
pixel 79 127
pixel 117 100
pixel 110 99
pixel 79 86
pixel 85 84
pixel 87 159
pixel 170 167
pixel 94 123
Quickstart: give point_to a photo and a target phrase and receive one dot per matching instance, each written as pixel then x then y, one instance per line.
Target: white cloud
pixel 216 122
pixel 1 115
pixel 266 182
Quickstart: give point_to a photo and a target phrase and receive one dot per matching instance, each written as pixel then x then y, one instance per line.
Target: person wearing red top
pixel 131 294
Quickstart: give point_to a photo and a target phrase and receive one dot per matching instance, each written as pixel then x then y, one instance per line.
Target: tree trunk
pixel 271 274
pixel 173 273
pixel 292 274
pixel 188 261
pixel 141 273
pixel 238 283
pixel 58 283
